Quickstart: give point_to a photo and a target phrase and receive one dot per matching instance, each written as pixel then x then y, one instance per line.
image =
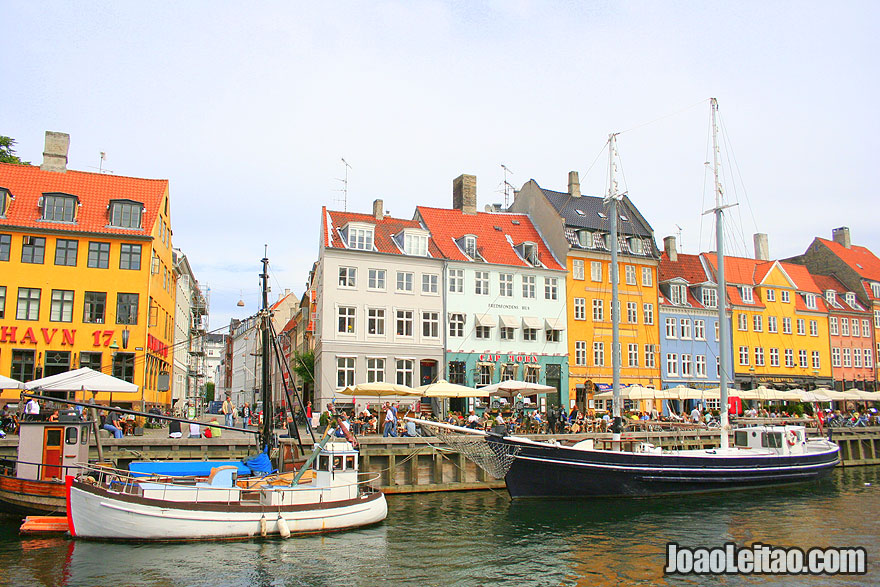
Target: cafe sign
pixel 509 358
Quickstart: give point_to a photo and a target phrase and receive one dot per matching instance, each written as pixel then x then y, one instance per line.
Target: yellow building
pixel 86 276
pixel 576 229
pixel 780 324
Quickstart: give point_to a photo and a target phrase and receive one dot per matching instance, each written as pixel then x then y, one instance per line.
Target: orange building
pixel 86 276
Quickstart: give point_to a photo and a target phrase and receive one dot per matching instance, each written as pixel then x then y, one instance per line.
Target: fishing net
pixel 495 459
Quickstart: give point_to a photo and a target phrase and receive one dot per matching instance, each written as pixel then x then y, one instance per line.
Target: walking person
pixel 228 410
pixel 390 422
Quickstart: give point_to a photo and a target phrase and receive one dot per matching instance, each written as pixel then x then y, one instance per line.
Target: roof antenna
pixel 344 189
pixel 100 167
pixel 508 188
pixel 679 237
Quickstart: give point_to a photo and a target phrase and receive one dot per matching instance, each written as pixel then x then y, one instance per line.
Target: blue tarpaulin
pixel 183 468
pixel 260 463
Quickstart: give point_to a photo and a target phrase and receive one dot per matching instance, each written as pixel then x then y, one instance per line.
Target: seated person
pixel 195 431
pixel 174 429
pixel 111 424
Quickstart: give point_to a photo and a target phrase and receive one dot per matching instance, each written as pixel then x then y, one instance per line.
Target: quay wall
pixel 425 464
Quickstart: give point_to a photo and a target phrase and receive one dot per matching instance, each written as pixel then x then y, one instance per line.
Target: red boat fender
pixel 68 483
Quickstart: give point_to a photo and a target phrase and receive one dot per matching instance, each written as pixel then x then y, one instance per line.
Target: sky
pixel 249 109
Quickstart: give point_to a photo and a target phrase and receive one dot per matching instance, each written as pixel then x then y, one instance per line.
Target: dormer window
pixel 850 298
pixel 635 245
pixel 678 294
pixel 360 238
pixel 126 214
pixel 585 238
pixel 810 299
pixel 710 297
pixel 746 293
pixel 58 207
pixel 529 252
pixel 470 246
pixel 415 244
pixel 875 287
pixel 829 296
pixel 5 196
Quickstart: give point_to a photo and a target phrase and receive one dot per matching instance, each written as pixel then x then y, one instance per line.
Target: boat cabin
pixel 782 440
pixel 51 450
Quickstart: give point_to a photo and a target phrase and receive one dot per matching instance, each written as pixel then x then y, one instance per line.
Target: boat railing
pixel 8 466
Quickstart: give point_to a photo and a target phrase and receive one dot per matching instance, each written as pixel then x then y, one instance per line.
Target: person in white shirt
pixel 32 409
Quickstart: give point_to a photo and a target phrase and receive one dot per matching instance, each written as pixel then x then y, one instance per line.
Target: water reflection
pixel 482 538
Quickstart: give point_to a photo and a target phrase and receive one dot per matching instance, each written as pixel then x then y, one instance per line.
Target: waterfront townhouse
pixel 688 318
pixel 779 322
pixel 851 335
pixel 576 229
pixel 858 269
pixel 379 303
pixel 505 297
pixel 86 276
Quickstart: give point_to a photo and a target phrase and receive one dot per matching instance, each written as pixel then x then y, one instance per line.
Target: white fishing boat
pixel 330 495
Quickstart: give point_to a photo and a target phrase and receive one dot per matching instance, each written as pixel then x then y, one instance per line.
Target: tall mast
pixel 268 413
pixel 723 327
pixel 611 200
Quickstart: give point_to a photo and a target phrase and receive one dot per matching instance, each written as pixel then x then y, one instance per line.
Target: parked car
pixel 214 407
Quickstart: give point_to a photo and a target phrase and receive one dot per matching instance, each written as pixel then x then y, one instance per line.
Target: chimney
pixel 671 250
pixel 464 193
pixel 841 236
pixel 55 152
pixel 378 209
pixel 574 185
pixel 762 247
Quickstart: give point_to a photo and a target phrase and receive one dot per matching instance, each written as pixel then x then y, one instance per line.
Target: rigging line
pixel 685 109
pixel 593 164
pixel 726 136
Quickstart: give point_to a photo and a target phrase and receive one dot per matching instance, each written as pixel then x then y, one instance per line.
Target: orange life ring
pixel 791 437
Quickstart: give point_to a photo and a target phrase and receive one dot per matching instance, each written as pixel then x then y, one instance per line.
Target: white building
pixel 378 284
pixel 190 320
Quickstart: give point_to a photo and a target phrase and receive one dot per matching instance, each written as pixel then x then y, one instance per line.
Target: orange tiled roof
pixel 860 259
pixel 28 183
pixel 688 267
pixel 384 229
pixel 448 225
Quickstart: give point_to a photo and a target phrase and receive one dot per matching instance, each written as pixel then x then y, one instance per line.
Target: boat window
pixel 71 435
pixel 84 436
pixel 337 463
pixel 741 438
pixel 349 463
pixel 323 463
pixel 771 439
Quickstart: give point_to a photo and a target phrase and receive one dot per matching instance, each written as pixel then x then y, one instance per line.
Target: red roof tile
pixel 687 267
pixel 28 183
pixel 448 225
pixel 862 261
pixel 383 230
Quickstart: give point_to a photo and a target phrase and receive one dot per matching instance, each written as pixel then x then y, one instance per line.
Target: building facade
pixel 688 319
pixel 504 297
pixel 86 276
pixel 378 301
pixel 576 229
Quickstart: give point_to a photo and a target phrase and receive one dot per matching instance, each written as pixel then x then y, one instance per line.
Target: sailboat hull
pixel 541 470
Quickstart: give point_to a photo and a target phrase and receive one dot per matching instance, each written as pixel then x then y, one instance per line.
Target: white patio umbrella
pixel 83 379
pixel 870 396
pixel 443 388
pixel 9 383
pixel 513 386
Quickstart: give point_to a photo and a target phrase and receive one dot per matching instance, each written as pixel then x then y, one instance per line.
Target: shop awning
pixel 554 324
pixel 531 322
pixel 486 320
pixel 509 321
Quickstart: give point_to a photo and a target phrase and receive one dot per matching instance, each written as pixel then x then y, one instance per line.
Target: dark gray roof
pixel 584 212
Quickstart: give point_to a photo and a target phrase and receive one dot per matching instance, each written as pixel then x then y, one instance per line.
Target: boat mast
pixel 611 201
pixel 723 327
pixel 268 415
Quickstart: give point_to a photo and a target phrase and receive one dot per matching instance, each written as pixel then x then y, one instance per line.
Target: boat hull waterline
pixel 95 512
pixel 543 470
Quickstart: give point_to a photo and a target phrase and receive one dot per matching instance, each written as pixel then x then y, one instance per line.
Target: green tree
pixel 304 366
pixel 209 391
pixel 7 152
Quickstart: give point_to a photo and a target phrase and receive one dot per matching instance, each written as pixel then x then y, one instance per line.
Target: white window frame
pixel 671 328
pixel 577 269
pixel 630 274
pixel 347 277
pixel 598 310
pixel 580 308
pixel 430 284
pixel 632 352
pixel 648 313
pixel 672 364
pixel 375 369
pixel 404 371
pixel 431 324
pixel 650 356
pixel 405 281
pixel 376 279
pixel 699 329
pixel 346 320
pixel 580 353
pixel 345 371
pixel 784 296
pixel 551 288
pixel 456 281
pixel 684 328
pixel 632 313
pixel 481 283
pixel 505 285
pixel 598 354
pixel 747 294
pixel 529 287
pixel 402 317
pixel 360 238
pixel 596 271
pixel 376 322
pixel 456 324
pixel 647 277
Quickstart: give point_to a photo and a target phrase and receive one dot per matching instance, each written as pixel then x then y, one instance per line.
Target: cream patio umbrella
pixel 9 383
pixel 866 396
pixel 443 388
pixel 380 389
pixel 513 386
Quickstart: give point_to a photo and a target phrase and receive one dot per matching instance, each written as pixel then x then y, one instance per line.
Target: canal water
pixel 482 538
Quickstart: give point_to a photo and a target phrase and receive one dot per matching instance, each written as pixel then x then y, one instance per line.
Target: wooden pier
pixel 424 464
